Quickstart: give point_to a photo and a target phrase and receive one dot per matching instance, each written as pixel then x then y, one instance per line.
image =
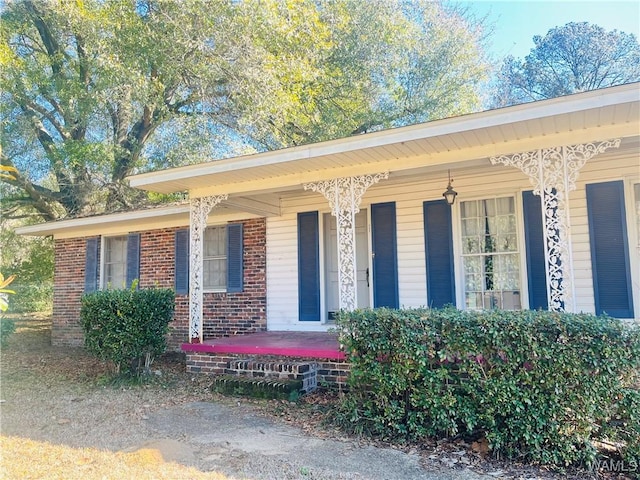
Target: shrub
pixel 127 327
pixel 539 385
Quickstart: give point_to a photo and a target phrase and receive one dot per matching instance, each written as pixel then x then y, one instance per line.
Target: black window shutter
pixel 235 281
pixel 181 280
pixel 609 249
pixel 438 244
pixel 91 266
pixel 385 261
pixel 308 267
pixel 133 258
pixel 534 244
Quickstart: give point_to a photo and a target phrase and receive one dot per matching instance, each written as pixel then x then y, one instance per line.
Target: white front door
pixel 331 263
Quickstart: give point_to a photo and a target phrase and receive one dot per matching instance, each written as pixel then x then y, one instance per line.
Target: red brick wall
pixel 224 313
pixel 228 314
pixel 68 286
pixel 157 268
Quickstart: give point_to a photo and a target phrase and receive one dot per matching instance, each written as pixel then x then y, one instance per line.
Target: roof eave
pixel 161 180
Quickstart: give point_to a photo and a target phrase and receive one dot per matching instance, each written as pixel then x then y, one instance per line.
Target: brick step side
pixel 283 389
pixel 306 372
pixel 328 373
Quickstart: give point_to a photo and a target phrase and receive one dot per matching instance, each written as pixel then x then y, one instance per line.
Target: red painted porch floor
pixel 288 344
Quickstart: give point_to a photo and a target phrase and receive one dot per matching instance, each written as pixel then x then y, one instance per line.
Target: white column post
pixel 200 208
pixel 344 196
pixel 553 173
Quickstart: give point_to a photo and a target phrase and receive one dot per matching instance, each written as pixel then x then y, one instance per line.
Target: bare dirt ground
pixel 61 417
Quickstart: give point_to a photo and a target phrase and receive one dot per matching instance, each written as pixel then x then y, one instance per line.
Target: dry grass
pixel 52 400
pixel 29 459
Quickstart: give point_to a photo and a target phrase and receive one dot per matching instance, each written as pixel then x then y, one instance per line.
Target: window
pixel 119 262
pixel 222 263
pixel 115 262
pixel 491 260
pixel 214 271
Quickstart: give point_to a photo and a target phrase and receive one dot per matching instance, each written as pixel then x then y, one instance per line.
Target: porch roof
pixel 438 145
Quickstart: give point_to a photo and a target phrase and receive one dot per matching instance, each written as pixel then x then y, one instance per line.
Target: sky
pixel 515 22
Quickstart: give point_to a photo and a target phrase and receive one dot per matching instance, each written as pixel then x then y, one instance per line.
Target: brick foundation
pixel 224 313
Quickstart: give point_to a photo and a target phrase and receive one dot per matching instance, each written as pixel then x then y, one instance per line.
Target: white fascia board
pixel 53 228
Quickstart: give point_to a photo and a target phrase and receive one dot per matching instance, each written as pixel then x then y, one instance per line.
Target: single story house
pixel 547 215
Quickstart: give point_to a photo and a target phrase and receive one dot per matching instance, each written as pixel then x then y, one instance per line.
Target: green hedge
pixel 127 327
pixel 540 386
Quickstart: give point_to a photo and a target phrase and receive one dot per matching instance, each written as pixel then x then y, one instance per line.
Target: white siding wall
pixel 609 167
pixel 409 193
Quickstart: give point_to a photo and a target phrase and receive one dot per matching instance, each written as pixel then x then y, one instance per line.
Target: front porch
pixel 312 357
pixel 318 345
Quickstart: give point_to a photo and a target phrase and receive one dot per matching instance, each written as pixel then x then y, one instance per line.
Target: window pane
pixel 472 265
pixel 215 274
pixel 214 267
pixel 469 209
pixel 505 224
pixel 490 225
pixel 488 208
pixel 507 243
pixel 115 262
pixel 506 272
pixel 116 249
pixel 473 300
pixel 470 245
pixel 473 282
pixel 115 275
pixel 489 243
pixel 470 227
pixel 505 205
pixel 214 241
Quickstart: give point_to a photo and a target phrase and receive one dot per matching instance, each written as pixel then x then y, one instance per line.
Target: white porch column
pixel 553 173
pixel 344 196
pixel 200 208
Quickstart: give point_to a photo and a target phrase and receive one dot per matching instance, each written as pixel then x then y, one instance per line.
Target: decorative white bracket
pixel 344 196
pixel 200 208
pixel 553 173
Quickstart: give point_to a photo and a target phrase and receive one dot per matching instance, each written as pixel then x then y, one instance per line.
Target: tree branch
pixel 40 196
pixel 35 108
pixel 48 40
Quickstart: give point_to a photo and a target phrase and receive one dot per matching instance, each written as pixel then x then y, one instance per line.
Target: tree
pixel 573 58
pixel 30 260
pixel 97 90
